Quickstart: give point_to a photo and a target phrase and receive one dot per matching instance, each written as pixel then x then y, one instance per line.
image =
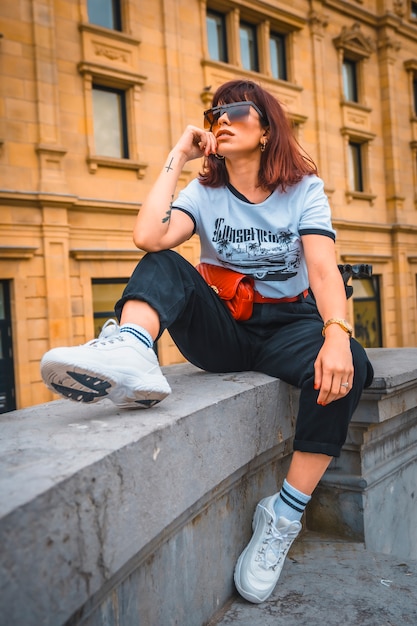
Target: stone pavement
pixel 335 583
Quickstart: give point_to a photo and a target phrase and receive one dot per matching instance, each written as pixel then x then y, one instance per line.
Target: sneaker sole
pixel 245 594
pixel 83 384
pixel 248 596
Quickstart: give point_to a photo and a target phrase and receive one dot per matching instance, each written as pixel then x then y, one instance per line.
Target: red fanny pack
pixel 237 290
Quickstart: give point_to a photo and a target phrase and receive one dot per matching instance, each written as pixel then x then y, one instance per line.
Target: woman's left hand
pixel 334 366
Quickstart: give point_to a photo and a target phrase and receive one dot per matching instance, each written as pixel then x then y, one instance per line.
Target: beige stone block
pixel 34 306
pixel 168 353
pixel 66 10
pixel 15 88
pixel 16 131
pixel 16 29
pixel 21 156
pixel 35 288
pixel 22 110
pixel 11 48
pixel 36 348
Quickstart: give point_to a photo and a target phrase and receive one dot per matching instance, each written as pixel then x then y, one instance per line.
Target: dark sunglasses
pixel 235 111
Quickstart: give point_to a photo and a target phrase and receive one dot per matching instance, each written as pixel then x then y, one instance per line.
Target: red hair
pixel 283 163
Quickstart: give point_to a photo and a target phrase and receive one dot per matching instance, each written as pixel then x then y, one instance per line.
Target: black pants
pixel 281 340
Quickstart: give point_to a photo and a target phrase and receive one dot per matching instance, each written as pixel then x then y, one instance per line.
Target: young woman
pixel 259 208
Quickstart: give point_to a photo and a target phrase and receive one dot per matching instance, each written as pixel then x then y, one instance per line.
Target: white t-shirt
pixel 262 240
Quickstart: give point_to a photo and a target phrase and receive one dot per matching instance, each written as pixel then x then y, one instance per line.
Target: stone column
pixel 50 152
pixel 388 48
pixel 55 237
pixel 318 22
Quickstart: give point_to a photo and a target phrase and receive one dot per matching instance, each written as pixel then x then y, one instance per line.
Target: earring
pixel 219 156
pixel 263 145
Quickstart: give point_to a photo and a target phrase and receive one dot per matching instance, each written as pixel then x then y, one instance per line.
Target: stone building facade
pixel 94 95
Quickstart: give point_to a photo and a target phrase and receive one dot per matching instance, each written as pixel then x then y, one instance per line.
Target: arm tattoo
pixel 168 213
pixel 168 167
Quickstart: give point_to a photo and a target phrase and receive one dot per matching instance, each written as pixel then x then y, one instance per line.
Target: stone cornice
pixel 101 254
pixel 357 13
pixel 280 14
pixel 109 33
pixel 343 224
pixel 37 200
pixel 17 252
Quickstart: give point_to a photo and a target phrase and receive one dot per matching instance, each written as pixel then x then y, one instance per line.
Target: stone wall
pixel 137 517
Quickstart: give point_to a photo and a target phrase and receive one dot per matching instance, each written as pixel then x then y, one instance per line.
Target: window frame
pixel 375 280
pixel 253 54
pixel 361 140
pixel 351 80
pixel 260 24
pixel 223 39
pixel 123 116
pixel 7 358
pixel 356 166
pixel 283 39
pixel 414 94
pixel 355 48
pixel 116 12
pixel 104 315
pixel 111 75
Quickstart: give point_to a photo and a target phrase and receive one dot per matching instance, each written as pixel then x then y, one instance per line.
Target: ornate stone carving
pixel 389 45
pixel 318 22
pixel 353 40
pixel 111 53
pixel 399 8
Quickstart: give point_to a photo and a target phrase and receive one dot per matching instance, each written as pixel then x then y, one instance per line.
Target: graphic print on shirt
pixel 265 255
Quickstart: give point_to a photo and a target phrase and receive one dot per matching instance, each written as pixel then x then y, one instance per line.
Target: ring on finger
pixel 346 385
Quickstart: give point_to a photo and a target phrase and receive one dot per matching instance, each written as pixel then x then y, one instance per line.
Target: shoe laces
pixel 275 544
pixel 109 334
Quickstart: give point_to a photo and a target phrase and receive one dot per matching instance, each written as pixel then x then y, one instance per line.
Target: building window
pixel 249 40
pixel 110 123
pixel 277 51
pixel 350 80
pixel 248 47
pixel 367 311
pixel 356 177
pixel 106 292
pixel 105 13
pixel 415 94
pixel 354 48
pixel 216 36
pixel 7 382
pixel 413 10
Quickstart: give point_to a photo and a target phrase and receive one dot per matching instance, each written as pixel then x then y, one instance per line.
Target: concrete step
pixel 333 582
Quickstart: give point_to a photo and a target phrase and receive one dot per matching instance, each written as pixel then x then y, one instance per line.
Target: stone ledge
pixel 105 512
pixel 394 389
pixel 84 490
pixel 361 493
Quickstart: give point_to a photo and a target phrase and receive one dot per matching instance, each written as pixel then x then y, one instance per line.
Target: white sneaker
pixel 259 566
pixel 115 365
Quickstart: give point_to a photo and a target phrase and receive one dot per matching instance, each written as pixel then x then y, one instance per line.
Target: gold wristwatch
pixel 342 323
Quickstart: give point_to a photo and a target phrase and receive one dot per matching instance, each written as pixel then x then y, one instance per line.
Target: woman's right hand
pixel 195 143
pixel 156 228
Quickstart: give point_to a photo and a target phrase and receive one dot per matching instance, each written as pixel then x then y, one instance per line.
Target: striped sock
pixel 138 333
pixel 290 503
